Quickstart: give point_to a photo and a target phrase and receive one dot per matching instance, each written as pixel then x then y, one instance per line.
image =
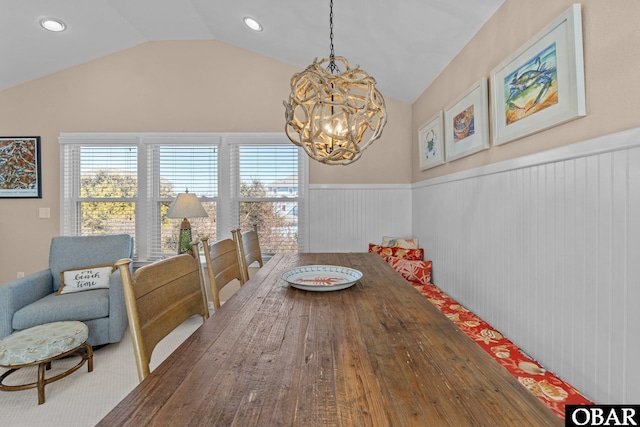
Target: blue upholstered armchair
pixel 33 300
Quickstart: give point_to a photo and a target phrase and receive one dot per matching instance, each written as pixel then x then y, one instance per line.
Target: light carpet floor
pixel 82 399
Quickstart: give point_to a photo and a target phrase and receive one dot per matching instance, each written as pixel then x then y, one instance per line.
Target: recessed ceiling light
pixel 52 24
pixel 253 24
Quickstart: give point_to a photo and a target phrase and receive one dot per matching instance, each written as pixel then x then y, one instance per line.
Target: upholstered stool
pixel 41 345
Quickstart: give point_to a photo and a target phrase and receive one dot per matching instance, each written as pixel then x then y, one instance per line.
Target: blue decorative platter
pixel 322 278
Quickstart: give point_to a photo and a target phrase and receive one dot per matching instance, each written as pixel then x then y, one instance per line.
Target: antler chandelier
pixel 329 112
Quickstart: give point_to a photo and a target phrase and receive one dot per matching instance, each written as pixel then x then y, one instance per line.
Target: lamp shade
pixel 186 205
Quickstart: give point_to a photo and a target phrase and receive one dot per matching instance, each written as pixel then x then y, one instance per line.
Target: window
pixel 174 169
pixel 100 186
pixel 124 183
pixel 260 169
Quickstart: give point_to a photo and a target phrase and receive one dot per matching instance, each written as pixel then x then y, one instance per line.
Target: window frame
pixel 234 186
pixel 227 204
pixel 153 227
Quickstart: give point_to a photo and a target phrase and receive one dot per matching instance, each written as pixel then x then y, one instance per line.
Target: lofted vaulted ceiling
pixel 403 44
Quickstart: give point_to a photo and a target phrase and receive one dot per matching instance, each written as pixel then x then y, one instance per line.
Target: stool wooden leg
pixel 41 369
pixel 89 356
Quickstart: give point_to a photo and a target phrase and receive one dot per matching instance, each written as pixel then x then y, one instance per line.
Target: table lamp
pixel 186 205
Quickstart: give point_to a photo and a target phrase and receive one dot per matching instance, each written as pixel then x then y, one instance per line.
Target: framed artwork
pixel 541 85
pixel 466 122
pixel 430 143
pixel 20 175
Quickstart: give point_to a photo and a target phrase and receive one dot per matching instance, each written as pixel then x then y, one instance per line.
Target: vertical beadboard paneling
pixel 547 249
pixel 348 218
pixel 619 233
pixel 631 325
pixel 592 266
pixel 578 272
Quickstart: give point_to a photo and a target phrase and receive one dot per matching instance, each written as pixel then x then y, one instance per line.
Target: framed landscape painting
pixel 542 84
pixel 20 175
pixel 430 143
pixel 466 122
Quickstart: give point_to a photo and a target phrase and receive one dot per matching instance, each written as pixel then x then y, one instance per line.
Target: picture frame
pixel 541 85
pixel 430 143
pixel 466 122
pixel 20 172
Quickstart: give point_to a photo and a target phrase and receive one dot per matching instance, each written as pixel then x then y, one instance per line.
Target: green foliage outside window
pixel 277 226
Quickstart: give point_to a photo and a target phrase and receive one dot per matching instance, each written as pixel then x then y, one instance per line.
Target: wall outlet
pixel 44 213
pixel 20 274
pixel 211 307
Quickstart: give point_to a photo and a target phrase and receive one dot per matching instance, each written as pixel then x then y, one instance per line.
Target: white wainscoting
pixel 346 218
pixel 546 248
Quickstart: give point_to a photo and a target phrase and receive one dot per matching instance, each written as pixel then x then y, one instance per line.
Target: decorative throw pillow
pixel 85 279
pixel 413 271
pixel 400 243
pixel 387 251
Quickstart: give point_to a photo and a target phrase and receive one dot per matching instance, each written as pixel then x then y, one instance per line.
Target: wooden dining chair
pixel 223 265
pixel 159 297
pixel 249 249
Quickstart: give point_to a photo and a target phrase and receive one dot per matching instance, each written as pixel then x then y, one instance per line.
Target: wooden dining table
pixel 377 353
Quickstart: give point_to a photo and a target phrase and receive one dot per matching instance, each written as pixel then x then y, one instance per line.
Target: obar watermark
pixel 602 415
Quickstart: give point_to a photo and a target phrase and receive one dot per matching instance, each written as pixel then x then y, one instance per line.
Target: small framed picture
pixel 430 143
pixel 20 175
pixel 466 122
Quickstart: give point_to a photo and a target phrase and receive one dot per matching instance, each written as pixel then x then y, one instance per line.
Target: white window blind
pixel 124 183
pixel 100 184
pixel 174 169
pixel 266 192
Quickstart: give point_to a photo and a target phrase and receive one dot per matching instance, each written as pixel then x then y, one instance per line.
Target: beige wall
pixel 181 86
pixel 611 56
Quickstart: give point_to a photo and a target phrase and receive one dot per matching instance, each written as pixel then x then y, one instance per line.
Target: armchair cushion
pixel 80 306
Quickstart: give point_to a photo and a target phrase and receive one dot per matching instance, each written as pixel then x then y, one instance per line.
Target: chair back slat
pixel 160 297
pixel 248 245
pixel 223 266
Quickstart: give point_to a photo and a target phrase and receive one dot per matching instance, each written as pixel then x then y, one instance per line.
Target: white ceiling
pixel 403 44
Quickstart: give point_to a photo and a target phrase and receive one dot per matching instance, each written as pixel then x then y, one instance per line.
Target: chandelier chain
pixel 334 114
pixel 332 67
